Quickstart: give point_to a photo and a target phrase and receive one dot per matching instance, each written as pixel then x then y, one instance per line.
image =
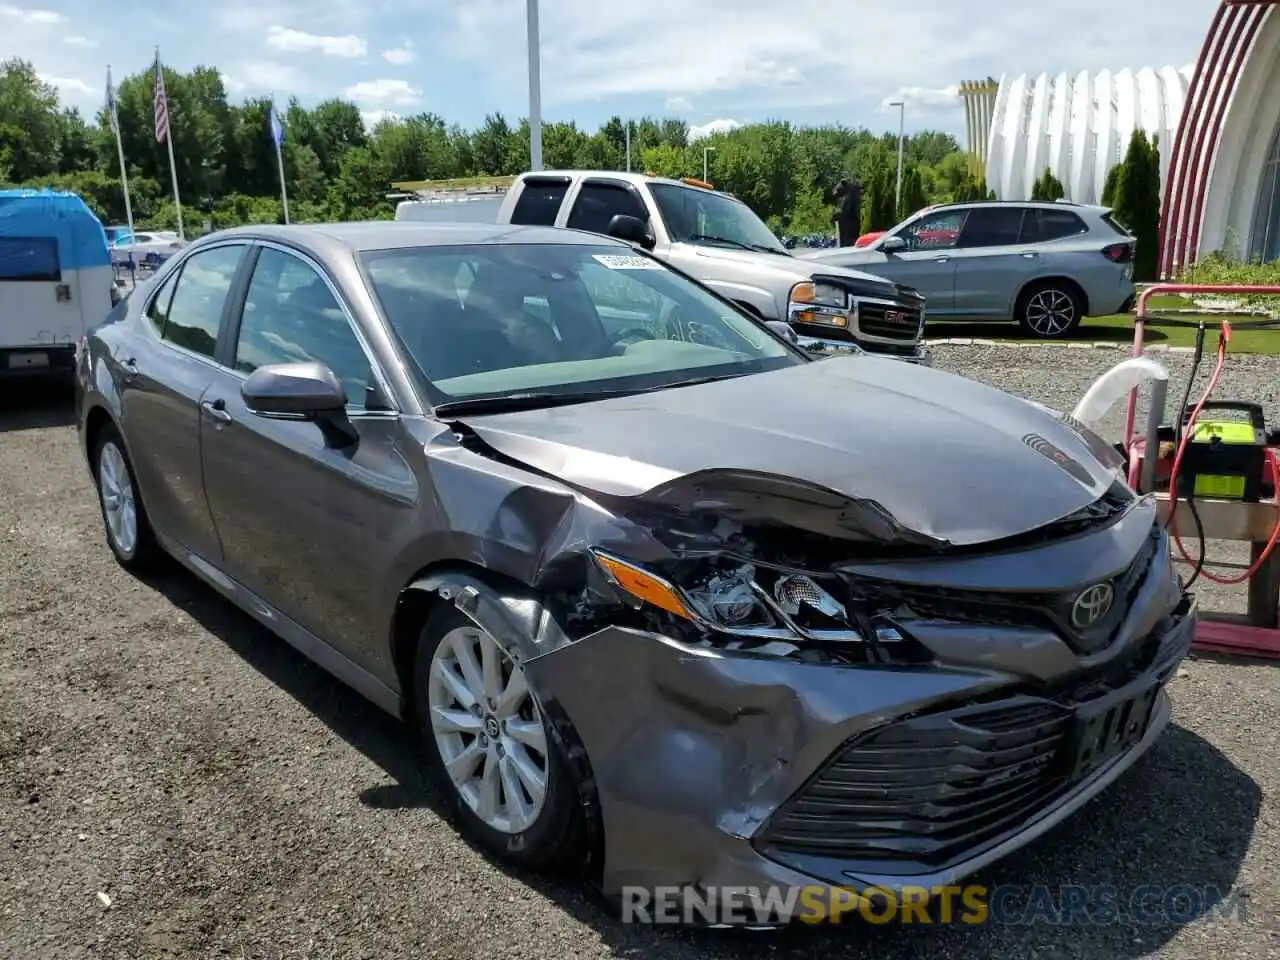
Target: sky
pixel 713 63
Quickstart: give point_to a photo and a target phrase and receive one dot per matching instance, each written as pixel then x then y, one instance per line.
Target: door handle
pixel 941 259
pixel 216 409
pixel 1030 254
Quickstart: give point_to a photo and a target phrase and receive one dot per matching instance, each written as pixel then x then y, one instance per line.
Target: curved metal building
pixel 1218 123
pixel 1078 127
pixel 1222 189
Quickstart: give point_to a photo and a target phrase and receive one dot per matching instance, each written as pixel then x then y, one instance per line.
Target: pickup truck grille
pixel 889 322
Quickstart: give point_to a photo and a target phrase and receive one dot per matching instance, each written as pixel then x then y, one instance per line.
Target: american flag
pixel 112 116
pixel 162 106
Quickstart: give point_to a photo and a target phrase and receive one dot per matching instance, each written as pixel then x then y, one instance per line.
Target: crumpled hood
pixel 946 457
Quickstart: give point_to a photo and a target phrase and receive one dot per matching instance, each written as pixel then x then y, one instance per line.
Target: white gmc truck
pixel 717 239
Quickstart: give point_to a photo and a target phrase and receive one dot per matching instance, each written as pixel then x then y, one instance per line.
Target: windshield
pixel 701 216
pixel 495 320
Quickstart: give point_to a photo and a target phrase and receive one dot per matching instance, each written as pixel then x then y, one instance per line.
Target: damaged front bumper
pixel 717 769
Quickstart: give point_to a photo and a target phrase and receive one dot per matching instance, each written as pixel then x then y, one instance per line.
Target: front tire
pixel 124 517
pixel 491 749
pixel 1050 310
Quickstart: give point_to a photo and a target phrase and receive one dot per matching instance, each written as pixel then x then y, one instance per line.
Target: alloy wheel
pixel 488 730
pixel 119 506
pixel 1050 312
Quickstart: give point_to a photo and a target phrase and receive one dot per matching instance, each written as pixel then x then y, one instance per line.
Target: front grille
pixel 873 322
pixel 1043 611
pixel 930 789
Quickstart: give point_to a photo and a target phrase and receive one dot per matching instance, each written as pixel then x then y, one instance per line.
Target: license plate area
pixel 1104 730
pixel 28 360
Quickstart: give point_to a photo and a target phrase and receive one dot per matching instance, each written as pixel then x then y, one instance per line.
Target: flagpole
pixel 114 119
pixel 284 193
pixel 276 127
pixel 173 166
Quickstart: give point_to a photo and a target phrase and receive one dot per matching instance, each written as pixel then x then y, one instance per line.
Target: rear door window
pixel 539 201
pixel 599 202
pixel 992 227
pixel 1042 226
pixel 195 312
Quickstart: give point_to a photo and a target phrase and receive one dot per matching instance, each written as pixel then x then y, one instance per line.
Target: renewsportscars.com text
pixel 973 905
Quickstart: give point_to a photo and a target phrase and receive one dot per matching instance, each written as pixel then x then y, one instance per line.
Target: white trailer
pixel 469 200
pixel 56 279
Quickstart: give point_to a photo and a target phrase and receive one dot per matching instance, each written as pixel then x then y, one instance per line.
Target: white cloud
pixel 384 93
pixel 923 99
pixel 678 105
pixel 83 42
pixel 267 76
pixel 372 118
pixel 295 41
pixel 401 55
pixel 33 18
pixel 67 86
pixel 699 131
pixel 757 56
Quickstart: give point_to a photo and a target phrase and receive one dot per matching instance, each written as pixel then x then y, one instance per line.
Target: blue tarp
pixel 35 215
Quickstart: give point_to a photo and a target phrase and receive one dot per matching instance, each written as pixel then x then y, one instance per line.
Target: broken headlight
pixel 745 601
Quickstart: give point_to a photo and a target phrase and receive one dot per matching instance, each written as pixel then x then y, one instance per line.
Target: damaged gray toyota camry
pixel 665 596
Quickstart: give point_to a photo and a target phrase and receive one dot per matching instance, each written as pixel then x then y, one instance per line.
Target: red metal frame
pixel 1212 636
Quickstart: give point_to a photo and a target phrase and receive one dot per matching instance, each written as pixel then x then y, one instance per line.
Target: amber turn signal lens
pixel 644 586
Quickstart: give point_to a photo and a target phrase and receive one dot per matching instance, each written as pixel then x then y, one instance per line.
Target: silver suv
pixel 1045 265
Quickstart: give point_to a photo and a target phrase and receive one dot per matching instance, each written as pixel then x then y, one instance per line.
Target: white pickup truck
pixel 717 239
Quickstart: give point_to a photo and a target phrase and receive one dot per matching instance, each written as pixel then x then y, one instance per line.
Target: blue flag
pixel 277 125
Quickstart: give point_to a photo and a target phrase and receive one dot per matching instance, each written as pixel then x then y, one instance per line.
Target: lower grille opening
pixel 928 789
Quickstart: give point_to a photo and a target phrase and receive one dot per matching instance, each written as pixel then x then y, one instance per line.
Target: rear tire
pixel 124 517
pixel 1050 310
pixel 492 750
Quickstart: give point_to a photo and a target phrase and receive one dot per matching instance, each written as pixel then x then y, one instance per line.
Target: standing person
pixel 848 210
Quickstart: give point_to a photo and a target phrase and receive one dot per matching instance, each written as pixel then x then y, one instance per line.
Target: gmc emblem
pixel 896 316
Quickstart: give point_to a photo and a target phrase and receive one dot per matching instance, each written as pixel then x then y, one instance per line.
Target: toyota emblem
pixel 1092 604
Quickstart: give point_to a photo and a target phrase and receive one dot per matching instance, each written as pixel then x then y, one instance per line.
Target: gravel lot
pixel 176 782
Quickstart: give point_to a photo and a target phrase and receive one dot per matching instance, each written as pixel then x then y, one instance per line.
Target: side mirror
pixel 630 229
pixel 301 391
pixel 784 330
pixel 892 245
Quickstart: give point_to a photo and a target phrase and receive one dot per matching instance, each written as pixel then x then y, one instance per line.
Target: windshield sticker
pixel 619 262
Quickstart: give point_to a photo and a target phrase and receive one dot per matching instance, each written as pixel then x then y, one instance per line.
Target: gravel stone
pixel 176 782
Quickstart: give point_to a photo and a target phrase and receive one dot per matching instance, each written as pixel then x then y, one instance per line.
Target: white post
pixel 706 154
pixel 173 176
pixel 902 124
pixel 114 119
pixel 535 87
pixel 628 146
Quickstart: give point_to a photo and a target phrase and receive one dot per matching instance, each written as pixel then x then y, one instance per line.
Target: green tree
pixel 1048 187
pixel 1136 197
pixel 338 168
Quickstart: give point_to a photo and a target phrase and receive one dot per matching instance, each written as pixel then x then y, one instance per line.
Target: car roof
pixel 1041 204
pixel 635 179
pixel 369 235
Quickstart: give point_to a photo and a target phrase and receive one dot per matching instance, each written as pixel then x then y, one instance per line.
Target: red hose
pixel 1188 431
